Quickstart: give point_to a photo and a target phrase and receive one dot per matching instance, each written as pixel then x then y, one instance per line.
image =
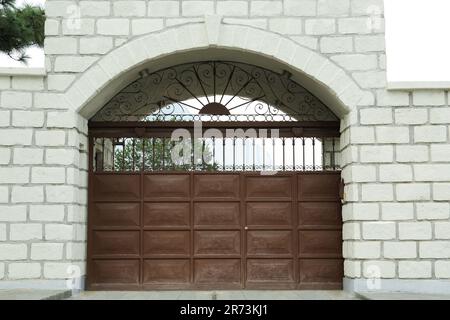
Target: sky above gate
pixel 417 40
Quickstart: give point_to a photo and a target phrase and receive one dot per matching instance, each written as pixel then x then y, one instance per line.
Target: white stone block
pixel 356 62
pixel 59 8
pixel 354 26
pixel 434 249
pixel 411 116
pixel 47 251
pixel 28 119
pixel 333 8
pixel 52 27
pixel 336 44
pixel 440 152
pixel 4 194
pixel 428 98
pixel 232 8
pixel 441 191
pixel 392 98
pixel 197 8
pixel 430 134
pixel 10 137
pixel 395 173
pixel 432 172
pixel 27 194
pixel 414 230
pixel 44 100
pixel 51 138
pixel 28 156
pixel 129 8
pixel 411 153
pixel 62 156
pixel 73 63
pixel 352 269
pixel 62 120
pixel 442 230
pixel 360 211
pixel 60 45
pixel 383 269
pixel 16 99
pixel 370 43
pixel 61 194
pixel 377 192
pixel 288 26
pixel 5 118
pixel 362 135
pixel 414 269
pixel 58 232
pixel 263 8
pixel 377 154
pixel 400 249
pixel 320 26
pixel 366 7
pixel 28 84
pixel 14 213
pixel 440 115
pixel 413 192
pixel 376 116
pixel 95 8
pixel 10 251
pixel 433 211
pixel 14 174
pixel 5 155
pixel 24 270
pixel 76 251
pixel 78 27
pixel 96 45
pixel 304 8
pixel 59 82
pixel 363 173
pixel 351 231
pixel 378 230
pixel 163 9
pixel 370 79
pixel 362 250
pixel 397 211
pixel 142 26
pixel 48 174
pixel 3 235
pixel 25 232
pixel 442 269
pixel 47 213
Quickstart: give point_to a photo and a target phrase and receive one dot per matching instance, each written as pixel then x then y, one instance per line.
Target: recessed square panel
pixel 217 271
pixel 320 243
pixel 269 187
pixel 166 243
pixel 277 214
pixel 166 271
pixel 216 186
pixel 270 243
pixel 217 242
pixel 115 242
pixel 116 187
pixel 116 214
pixel 166 214
pixel 166 186
pixel 114 272
pixel 320 214
pixel 321 271
pixel 318 187
pixel 270 270
pixel 216 214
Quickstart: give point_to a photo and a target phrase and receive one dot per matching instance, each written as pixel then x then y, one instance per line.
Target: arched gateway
pixel 218 175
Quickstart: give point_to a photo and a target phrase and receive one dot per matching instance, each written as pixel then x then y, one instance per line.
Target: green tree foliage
pixel 20 28
pixel 158 156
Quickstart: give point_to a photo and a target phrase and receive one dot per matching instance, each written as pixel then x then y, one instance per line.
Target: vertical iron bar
pixel 234 153
pixel 333 155
pixel 143 155
pixel 203 154
pixel 304 155
pixel 323 154
pixel 113 153
pixel 163 154
pixel 273 154
pixel 223 153
pixel 314 153
pixel 284 154
pixel 133 154
pixel 214 76
pixel 124 142
pixel 172 146
pixel 254 155
pixel 103 154
pixel 293 154
pixel 264 154
pixel 243 154
pixel 153 153
pixel 214 151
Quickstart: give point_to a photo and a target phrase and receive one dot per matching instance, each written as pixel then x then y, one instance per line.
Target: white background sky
pixel 417 35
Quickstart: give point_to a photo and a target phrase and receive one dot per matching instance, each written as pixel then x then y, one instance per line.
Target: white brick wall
pixel 397 155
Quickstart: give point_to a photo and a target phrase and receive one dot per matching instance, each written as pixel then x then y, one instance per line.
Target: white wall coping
pixel 25 72
pixel 417 85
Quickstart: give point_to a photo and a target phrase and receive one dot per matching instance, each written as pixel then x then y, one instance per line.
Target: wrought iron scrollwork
pixel 214 91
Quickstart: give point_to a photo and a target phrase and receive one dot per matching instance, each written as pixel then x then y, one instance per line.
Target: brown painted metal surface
pixel 214 231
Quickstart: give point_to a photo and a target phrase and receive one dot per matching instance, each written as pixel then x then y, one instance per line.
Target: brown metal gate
pixel 214 230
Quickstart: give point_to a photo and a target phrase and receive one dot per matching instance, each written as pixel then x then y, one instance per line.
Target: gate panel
pixel 215 231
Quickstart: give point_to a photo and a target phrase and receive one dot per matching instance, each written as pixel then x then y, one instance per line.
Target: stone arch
pixel 191 42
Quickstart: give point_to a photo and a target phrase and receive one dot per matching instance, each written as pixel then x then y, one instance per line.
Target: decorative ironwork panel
pixel 214 91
